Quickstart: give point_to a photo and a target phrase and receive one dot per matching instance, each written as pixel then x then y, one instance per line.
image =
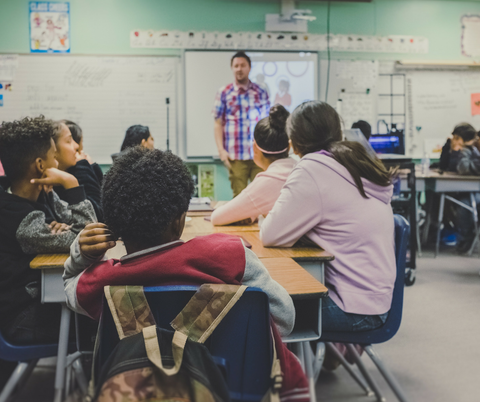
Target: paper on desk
pixel 199 200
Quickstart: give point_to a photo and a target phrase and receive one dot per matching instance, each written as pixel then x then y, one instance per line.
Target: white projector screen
pixel 290 78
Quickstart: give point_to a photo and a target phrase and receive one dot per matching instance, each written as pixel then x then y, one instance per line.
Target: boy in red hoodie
pixel 145 198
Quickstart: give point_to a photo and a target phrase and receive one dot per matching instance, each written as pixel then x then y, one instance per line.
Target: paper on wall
pixel 8 67
pixel 471 35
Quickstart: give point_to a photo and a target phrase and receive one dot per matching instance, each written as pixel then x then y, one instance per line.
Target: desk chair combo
pixel 379 335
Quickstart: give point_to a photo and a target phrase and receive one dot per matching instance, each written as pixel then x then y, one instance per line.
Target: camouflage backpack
pixel 136 370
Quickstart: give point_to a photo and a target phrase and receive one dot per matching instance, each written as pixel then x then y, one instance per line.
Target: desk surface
pixel 297 253
pixel 44 261
pixel 296 280
pixel 200 225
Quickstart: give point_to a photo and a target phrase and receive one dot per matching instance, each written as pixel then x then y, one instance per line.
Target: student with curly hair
pixel 33 220
pixel 151 226
pixel 71 161
pixel 270 152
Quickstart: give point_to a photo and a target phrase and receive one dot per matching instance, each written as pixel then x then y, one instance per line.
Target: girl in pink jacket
pixel 270 152
pixel 338 197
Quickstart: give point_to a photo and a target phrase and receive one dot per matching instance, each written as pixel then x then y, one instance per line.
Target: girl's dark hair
pixel 270 133
pixel 465 131
pixel 75 129
pixel 134 136
pixel 314 126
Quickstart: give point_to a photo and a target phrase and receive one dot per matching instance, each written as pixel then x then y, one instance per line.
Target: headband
pixel 271 152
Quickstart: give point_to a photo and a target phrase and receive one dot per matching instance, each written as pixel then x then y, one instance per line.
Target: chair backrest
pixel 24 353
pixel 240 345
pixel 390 328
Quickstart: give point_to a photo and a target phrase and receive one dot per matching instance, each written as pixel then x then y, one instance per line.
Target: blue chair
pixel 241 345
pixel 386 331
pixel 27 357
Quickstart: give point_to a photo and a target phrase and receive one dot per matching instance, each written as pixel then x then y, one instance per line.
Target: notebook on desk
pixel 199 204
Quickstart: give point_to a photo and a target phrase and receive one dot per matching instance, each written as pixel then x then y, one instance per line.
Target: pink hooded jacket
pixel 320 199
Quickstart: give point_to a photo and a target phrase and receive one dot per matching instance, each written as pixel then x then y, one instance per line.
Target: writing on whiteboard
pixel 82 75
pixel 436 102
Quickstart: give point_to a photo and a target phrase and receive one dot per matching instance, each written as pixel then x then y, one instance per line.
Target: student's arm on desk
pixel 238 209
pixel 35 236
pixel 280 302
pixel 96 237
pixel 296 212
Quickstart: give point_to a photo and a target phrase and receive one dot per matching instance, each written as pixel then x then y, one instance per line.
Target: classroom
pixel 237 200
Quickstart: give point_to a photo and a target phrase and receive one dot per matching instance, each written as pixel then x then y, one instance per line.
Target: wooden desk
pixel 200 225
pixel 43 261
pixel 52 292
pixel 253 237
pixel 297 281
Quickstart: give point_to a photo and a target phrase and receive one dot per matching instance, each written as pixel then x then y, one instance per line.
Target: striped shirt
pixel 239 110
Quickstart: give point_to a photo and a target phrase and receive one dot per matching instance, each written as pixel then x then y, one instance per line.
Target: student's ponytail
pixel 315 126
pixel 270 134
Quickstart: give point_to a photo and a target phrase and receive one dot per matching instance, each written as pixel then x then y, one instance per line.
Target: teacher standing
pixel 237 109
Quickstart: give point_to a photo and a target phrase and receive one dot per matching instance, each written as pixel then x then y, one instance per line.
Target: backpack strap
pixel 130 310
pixel 206 309
pixel 153 349
pixel 273 394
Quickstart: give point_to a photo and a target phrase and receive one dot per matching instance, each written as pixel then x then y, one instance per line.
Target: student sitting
pixel 151 227
pixel 136 135
pixel 33 220
pixel 463 136
pixel 270 152
pixel 465 159
pixel 339 198
pixel 68 161
pixel 364 127
pixel 77 135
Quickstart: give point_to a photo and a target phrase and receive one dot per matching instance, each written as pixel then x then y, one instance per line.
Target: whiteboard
pixel 104 95
pixel 437 102
pixel 207 71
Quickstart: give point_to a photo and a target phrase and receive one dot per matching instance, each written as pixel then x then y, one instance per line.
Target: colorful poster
pixel 49 27
pixel 475 104
pixel 207 181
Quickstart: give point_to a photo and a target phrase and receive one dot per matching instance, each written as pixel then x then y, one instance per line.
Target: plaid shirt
pixel 240 109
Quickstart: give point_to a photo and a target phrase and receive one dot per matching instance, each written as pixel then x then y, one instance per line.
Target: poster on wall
pixel 471 35
pixel 49 27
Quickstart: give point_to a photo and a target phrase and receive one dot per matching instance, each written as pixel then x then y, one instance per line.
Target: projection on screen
pixel 288 83
pixel 289 77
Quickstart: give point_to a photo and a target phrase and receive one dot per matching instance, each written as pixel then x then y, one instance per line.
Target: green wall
pixel 103 26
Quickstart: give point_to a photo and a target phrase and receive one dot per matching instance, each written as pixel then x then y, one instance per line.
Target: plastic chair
pixel 386 331
pixel 27 357
pixel 241 345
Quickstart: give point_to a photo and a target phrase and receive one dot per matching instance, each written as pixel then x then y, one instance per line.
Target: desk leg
pixel 440 219
pixel 309 370
pixel 62 353
pixel 475 222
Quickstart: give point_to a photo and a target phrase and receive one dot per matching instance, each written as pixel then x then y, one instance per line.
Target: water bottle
pixel 425 164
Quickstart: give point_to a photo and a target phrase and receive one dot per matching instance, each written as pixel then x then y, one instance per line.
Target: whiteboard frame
pixel 179 80
pixel 183 140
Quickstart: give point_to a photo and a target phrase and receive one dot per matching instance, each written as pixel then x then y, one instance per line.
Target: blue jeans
pixel 335 319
